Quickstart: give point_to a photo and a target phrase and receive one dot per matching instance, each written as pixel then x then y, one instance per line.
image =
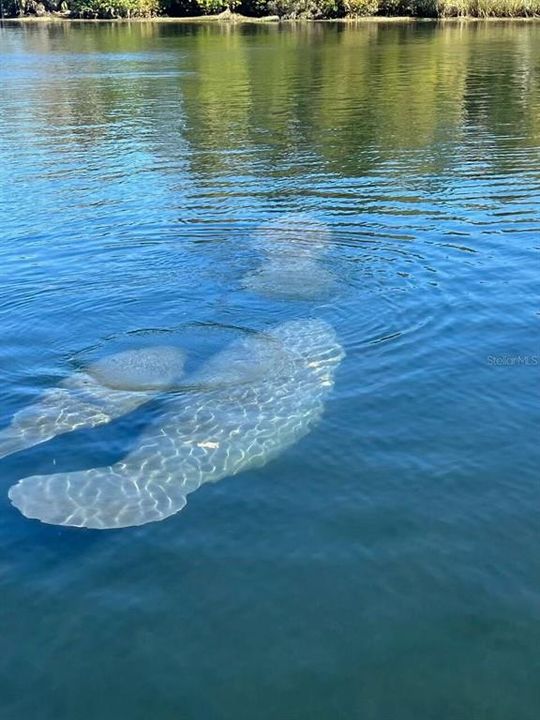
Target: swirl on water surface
pixel 292 247
pixel 202 343
pixel 295 234
pixel 201 437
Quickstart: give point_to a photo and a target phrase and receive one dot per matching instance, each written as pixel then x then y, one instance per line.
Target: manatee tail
pixel 58 411
pixel 109 388
pixel 12 441
pixel 101 498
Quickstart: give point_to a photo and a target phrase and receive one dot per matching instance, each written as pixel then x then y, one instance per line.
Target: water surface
pixel 384 567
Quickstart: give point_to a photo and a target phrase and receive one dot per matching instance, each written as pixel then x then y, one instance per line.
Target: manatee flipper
pixel 249 359
pixel 204 437
pixel 146 369
pixel 107 389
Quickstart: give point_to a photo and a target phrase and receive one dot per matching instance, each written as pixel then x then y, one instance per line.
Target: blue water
pixel 384 567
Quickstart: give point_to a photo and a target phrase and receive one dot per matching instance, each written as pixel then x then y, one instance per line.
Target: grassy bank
pixel 275 9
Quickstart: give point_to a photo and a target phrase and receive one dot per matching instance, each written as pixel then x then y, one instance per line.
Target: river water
pixel 386 565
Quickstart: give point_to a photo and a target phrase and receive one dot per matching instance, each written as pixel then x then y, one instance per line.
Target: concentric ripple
pixel 199 343
pixel 291 246
pixel 296 234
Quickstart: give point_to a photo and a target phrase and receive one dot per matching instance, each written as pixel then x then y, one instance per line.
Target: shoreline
pixel 237 19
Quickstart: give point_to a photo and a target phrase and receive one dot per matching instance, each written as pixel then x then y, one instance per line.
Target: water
pixel 386 565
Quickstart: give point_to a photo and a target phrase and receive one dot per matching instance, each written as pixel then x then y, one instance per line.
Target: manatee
pixel 151 368
pixel 105 390
pixel 282 278
pixel 293 234
pixel 291 267
pixel 247 360
pixel 202 436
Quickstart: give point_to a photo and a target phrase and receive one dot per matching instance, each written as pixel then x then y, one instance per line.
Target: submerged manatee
pixel 282 278
pixel 105 390
pixel 151 368
pixel 291 247
pixel 202 437
pixel 294 234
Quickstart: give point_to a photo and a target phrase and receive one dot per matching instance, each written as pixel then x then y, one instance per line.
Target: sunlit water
pixel 384 567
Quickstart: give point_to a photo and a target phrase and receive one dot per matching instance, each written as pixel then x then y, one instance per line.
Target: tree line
pixel 283 9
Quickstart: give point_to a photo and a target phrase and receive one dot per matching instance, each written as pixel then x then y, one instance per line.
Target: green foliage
pixel 305 9
pixel 395 7
pixel 114 8
pixel 179 8
pixel 506 8
pixel 13 8
pixel 452 8
pixel 359 8
pixel 424 8
pixel 286 9
pixel 473 8
pixel 213 7
pixel 253 8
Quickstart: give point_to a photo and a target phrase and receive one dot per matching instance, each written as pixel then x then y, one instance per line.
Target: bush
pixel 212 7
pixel 360 8
pixel 424 8
pixel 253 8
pixel 395 7
pixel 453 8
pixel 179 8
pixel 288 9
pixel 505 8
pixel 305 9
pixel 13 8
pixel 93 9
